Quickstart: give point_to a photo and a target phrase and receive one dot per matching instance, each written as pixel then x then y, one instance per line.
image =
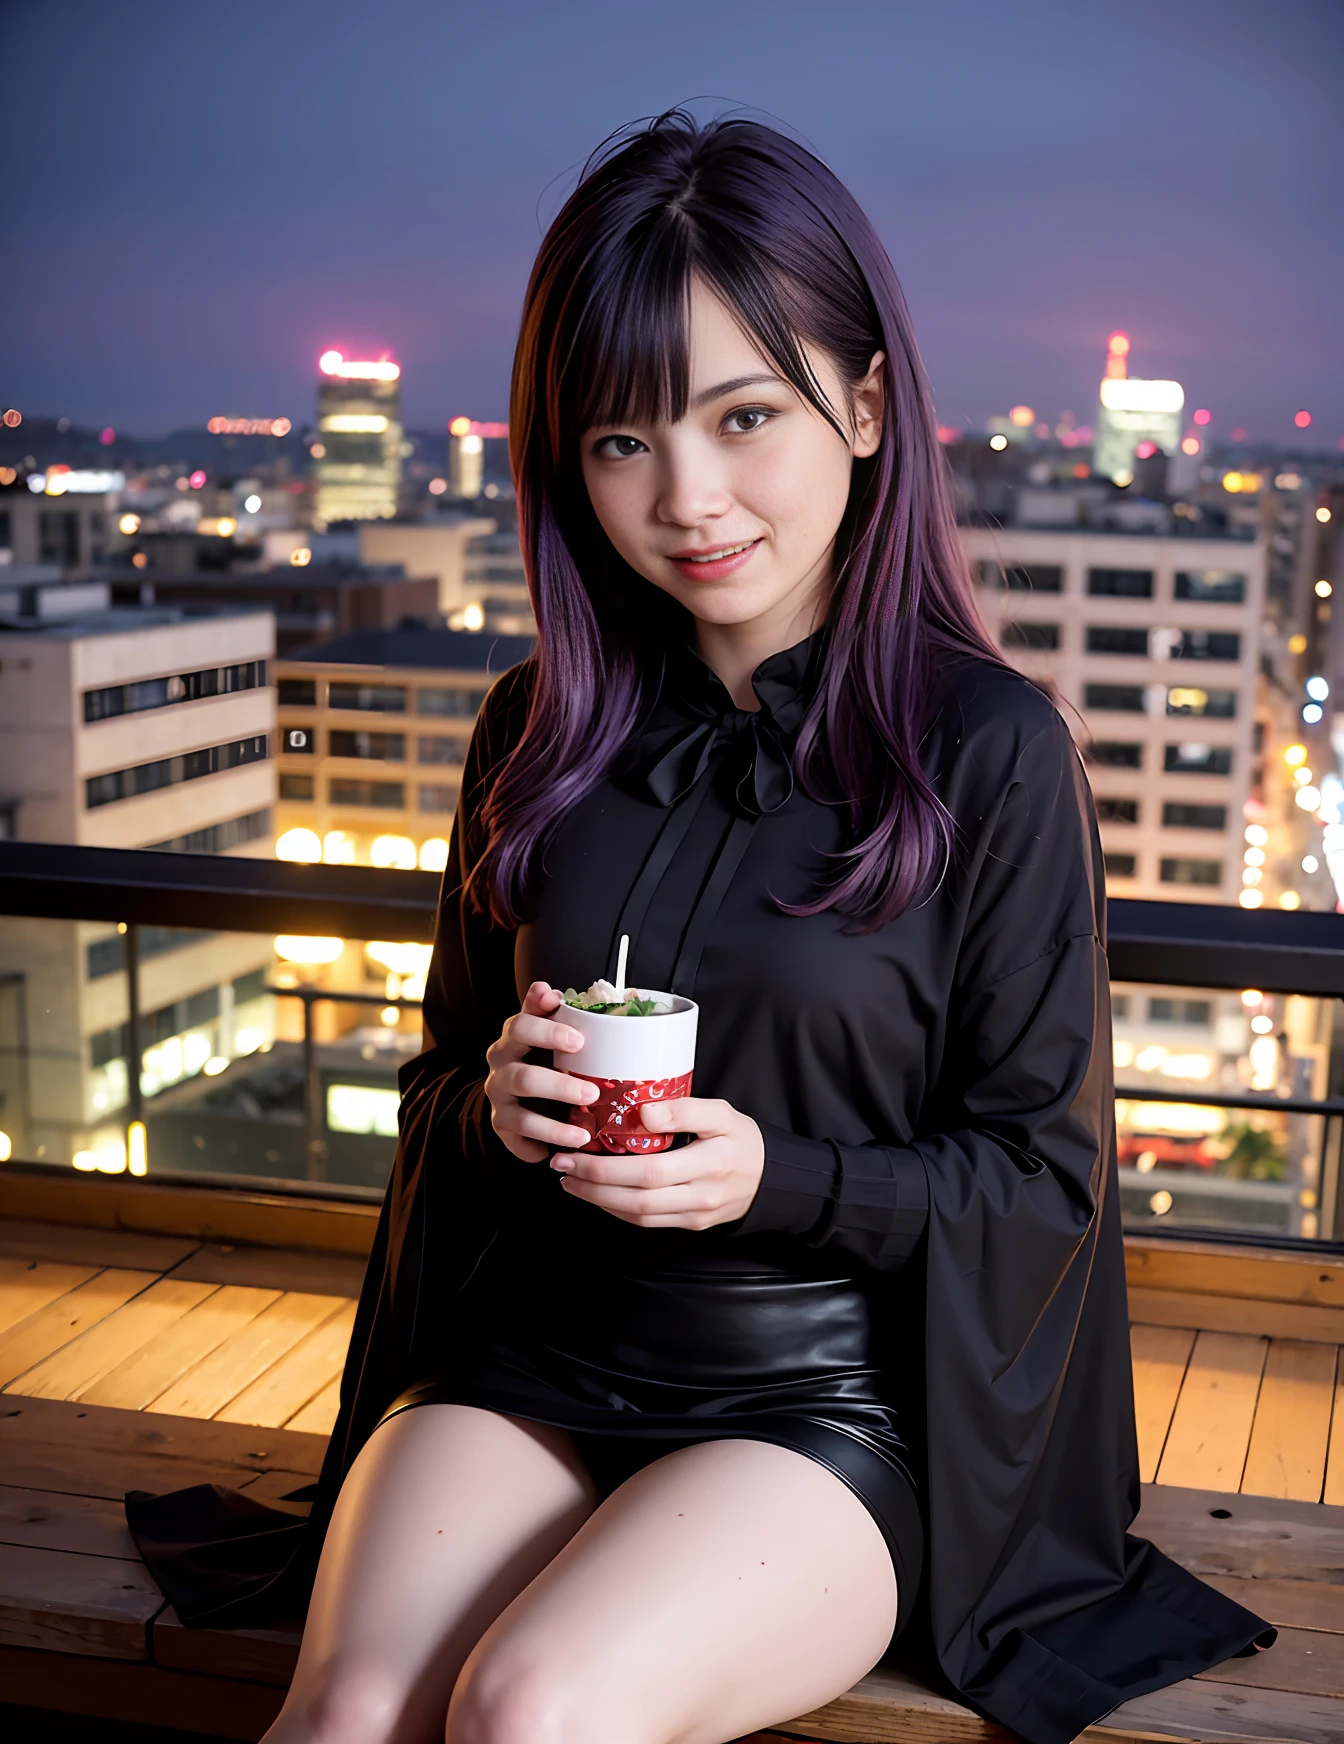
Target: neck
pixel 734 651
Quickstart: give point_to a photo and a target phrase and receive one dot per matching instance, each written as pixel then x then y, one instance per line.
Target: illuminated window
pixel 363 1108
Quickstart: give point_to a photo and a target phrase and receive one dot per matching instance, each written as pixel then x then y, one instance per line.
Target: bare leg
pixel 448 1512
pixel 726 1587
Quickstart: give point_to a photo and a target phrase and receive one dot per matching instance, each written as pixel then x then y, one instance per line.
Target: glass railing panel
pixel 1224 1110
pixel 263 1059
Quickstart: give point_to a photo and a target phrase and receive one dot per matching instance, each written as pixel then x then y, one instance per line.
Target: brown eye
pixel 746 419
pixel 620 446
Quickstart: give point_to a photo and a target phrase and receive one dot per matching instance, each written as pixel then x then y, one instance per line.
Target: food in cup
pixel 630 1063
pixel 602 996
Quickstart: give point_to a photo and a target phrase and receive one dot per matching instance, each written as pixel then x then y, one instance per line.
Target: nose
pixel 691 488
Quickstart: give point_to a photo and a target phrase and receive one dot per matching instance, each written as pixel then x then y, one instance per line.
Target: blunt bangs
pixel 629 357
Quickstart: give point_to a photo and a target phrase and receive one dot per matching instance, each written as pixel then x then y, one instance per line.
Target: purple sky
pixel 200 199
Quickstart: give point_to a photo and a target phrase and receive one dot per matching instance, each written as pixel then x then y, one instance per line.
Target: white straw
pixel 621 957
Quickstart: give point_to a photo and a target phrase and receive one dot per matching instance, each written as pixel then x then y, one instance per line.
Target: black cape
pixel 937 1103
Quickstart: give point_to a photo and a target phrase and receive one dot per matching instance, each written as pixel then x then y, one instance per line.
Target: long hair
pixel 604 340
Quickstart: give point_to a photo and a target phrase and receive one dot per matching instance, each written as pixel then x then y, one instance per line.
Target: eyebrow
pixel 735 386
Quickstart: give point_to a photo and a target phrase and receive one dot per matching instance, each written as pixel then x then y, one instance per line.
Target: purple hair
pixel 604 340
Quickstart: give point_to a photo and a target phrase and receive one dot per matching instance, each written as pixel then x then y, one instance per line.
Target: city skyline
pixel 285 184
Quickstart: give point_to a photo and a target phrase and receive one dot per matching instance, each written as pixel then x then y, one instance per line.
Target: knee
pixel 352 1705
pixel 512 1697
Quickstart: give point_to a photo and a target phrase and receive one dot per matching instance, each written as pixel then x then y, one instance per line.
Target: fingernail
pixel 573 1039
pixel 562 1164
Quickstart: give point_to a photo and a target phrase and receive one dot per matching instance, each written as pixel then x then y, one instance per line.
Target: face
pixel 734 509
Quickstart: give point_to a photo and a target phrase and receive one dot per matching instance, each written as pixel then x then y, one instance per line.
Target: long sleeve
pixel 469 990
pixel 1006 1132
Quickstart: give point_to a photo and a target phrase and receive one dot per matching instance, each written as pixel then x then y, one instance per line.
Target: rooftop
pixel 114 621
pixel 439 650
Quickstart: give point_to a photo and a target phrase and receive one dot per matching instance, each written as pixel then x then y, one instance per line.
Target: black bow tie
pixel 695 725
pixel 671 757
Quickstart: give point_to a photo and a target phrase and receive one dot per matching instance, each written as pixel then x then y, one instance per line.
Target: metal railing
pixel 1186 945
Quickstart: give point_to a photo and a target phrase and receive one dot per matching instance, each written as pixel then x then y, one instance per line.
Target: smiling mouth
pixel 714 556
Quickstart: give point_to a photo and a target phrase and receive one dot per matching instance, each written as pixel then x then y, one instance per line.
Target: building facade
pixel 128 729
pixel 373 729
pixel 1150 647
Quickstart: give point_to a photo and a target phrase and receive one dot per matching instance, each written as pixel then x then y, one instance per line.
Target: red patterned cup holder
pixel 632 1060
pixel 614 1119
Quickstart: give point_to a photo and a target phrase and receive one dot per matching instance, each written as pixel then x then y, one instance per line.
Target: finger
pixel 707 1117
pixel 542 1128
pixel 687 1199
pixel 541 999
pixel 520 1079
pixel 529 1031
pixel 651 1170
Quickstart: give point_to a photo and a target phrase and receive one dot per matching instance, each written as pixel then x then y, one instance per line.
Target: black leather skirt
pixel 639 1361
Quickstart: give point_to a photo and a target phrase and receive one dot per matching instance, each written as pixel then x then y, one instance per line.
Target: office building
pixel 437 548
pixel 131 728
pixel 357 456
pixel 1150 646
pixel 59 520
pixel 373 728
pixel 495 593
pixel 1135 418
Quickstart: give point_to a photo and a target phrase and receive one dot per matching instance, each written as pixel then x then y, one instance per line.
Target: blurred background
pixel 258 552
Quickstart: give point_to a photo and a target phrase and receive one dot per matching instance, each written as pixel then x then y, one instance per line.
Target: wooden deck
pixel 153 1361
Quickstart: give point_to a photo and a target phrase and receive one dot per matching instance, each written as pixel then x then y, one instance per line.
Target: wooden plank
pixel 318 1416
pixel 137 1694
pixel 98 1605
pixel 71 1371
pixel 78 1449
pixel 206 1389
pixel 1292 1422
pixel 1211 1428
pixel 288 1385
pixel 26 1344
pixel 890 1707
pixel 1252 1537
pixel 1270 1274
pixel 47 1520
pixel 275 1269
pixel 29 1285
pixel 63 1242
pixel 1220 1713
pixel 1334 1465
pixel 1307 1662
pixel 1160 1355
pixel 146 1373
pixel 262 1655
pixel 1293 1604
pixel 1237 1314
pixel 281 1489
pixel 200 1213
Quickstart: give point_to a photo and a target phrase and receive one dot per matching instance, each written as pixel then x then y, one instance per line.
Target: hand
pixel 711 1181
pixel 525 1133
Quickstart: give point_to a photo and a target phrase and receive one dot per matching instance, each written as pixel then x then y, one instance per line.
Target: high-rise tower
pixel 359 435
pixel 1133 412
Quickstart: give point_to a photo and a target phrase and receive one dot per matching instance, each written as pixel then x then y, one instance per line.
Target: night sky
pixel 200 199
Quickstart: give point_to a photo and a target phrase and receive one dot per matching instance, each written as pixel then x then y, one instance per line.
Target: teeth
pixel 717 556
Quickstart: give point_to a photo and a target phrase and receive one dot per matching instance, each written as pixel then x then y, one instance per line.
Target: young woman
pixel 665 1448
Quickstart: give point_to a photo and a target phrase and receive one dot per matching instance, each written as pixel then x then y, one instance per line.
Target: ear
pixel 869 408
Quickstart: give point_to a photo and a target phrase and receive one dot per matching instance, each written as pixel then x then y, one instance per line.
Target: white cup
pixel 632 1060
